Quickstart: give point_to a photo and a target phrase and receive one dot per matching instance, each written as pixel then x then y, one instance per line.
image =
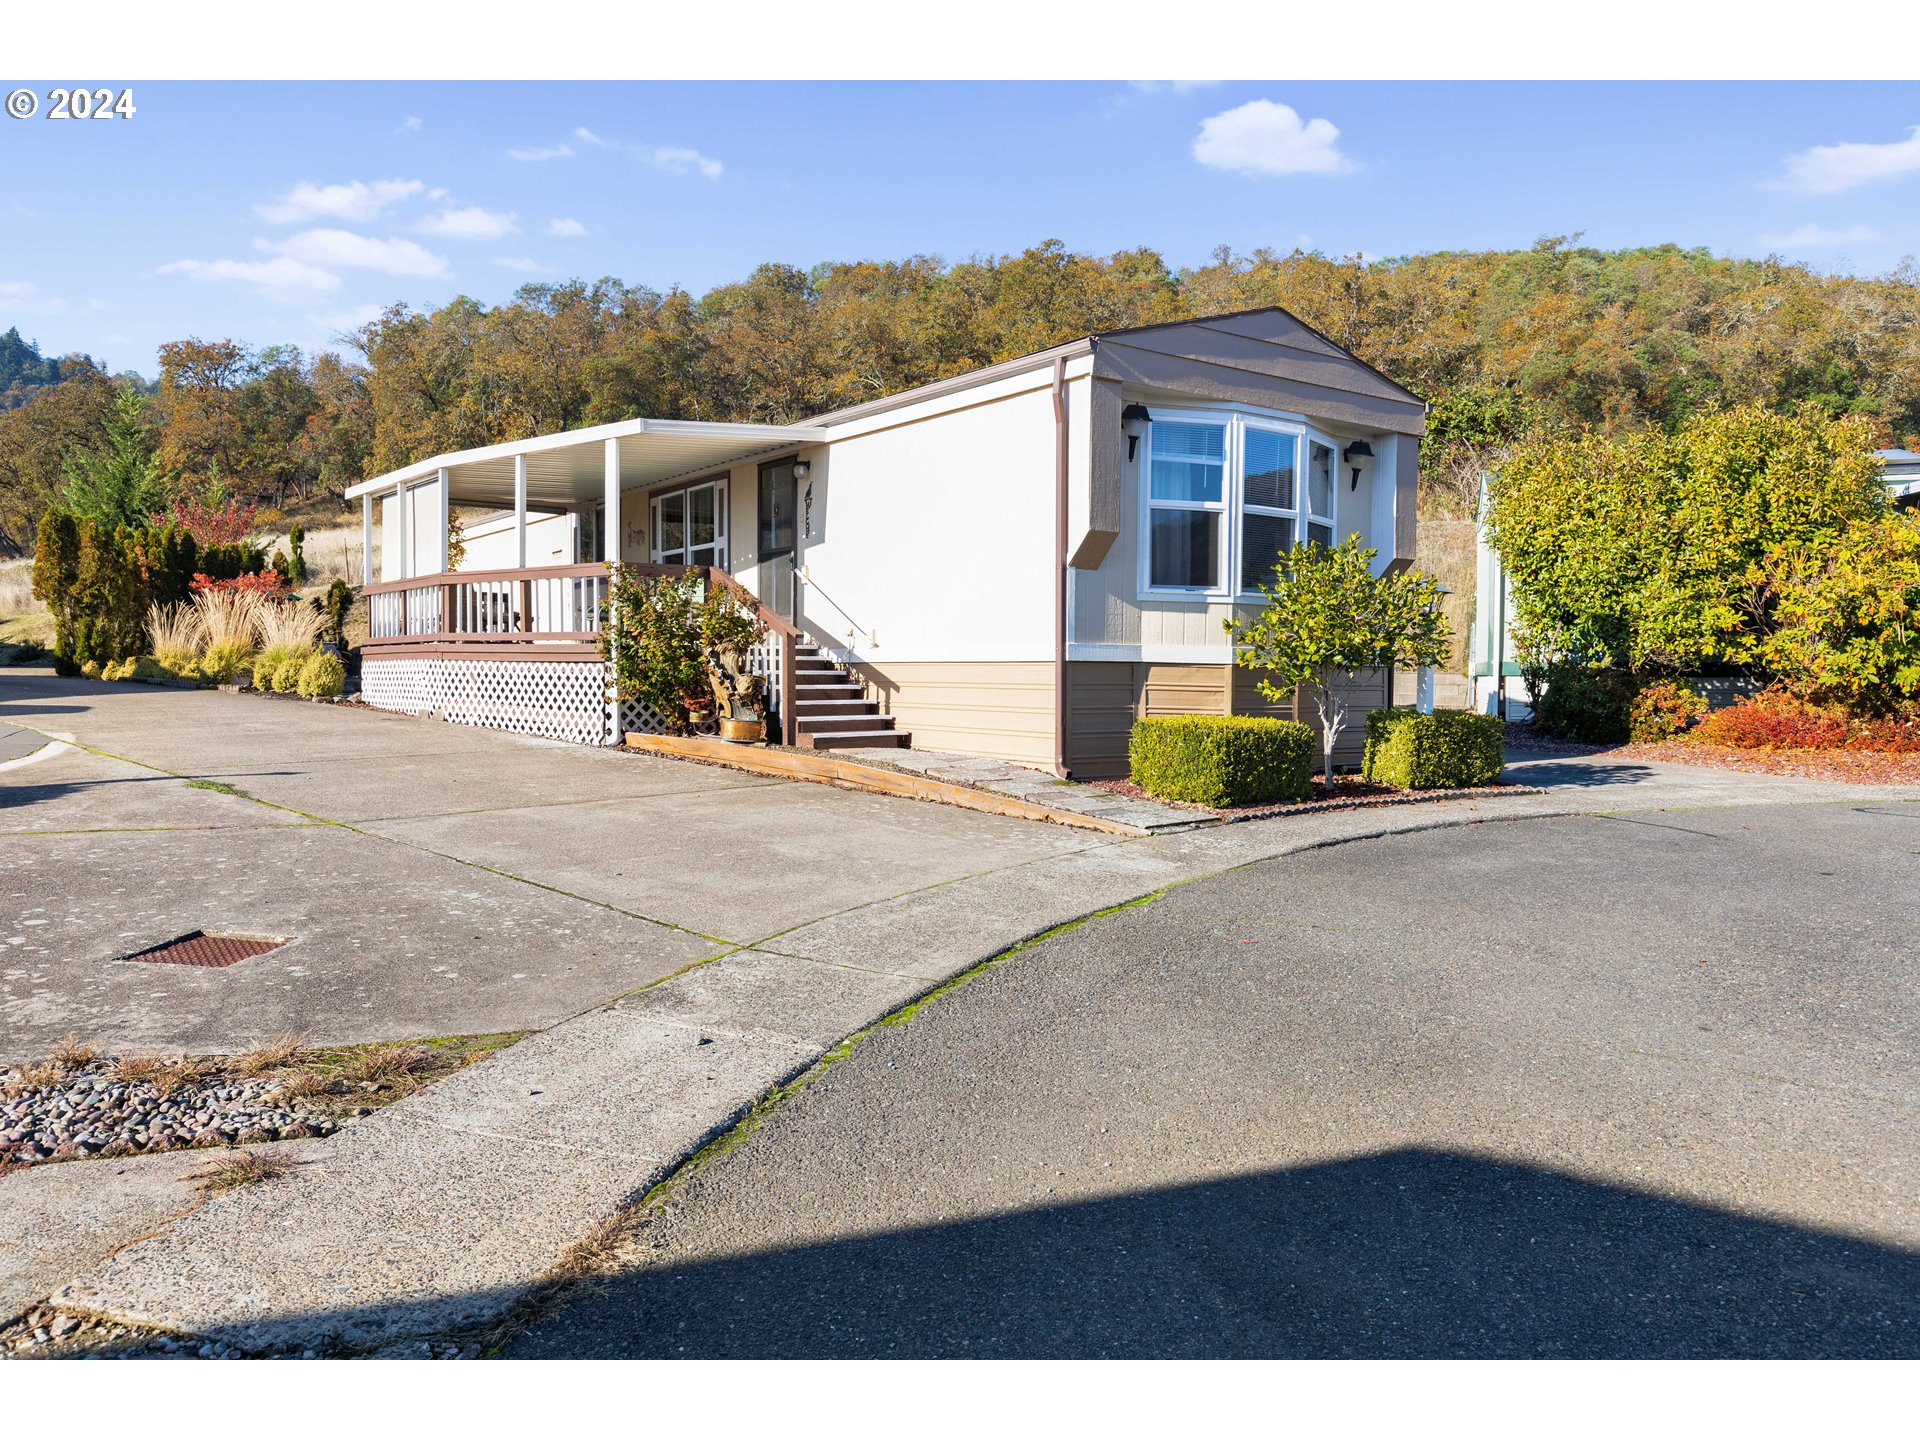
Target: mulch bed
pixel 1858 767
pixel 1349 793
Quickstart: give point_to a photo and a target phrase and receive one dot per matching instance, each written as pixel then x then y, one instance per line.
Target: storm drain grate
pixel 209 952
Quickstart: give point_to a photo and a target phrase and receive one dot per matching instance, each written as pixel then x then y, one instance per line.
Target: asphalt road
pixel 1635 1086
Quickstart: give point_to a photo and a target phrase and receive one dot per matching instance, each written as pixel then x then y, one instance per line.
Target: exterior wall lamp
pixel 1358 450
pixel 801 469
pixel 1133 424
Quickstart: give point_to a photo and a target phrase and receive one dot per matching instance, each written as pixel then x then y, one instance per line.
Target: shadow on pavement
pixel 1407 1253
pixel 1574 771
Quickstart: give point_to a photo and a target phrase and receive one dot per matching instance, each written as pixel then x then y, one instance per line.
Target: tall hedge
pixel 1222 760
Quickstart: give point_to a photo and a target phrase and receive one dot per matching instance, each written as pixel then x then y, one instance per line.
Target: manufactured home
pixel 1016 562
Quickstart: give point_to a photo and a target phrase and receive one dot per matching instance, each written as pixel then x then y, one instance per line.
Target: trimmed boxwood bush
pixel 1447 750
pixel 1222 759
pixel 322 675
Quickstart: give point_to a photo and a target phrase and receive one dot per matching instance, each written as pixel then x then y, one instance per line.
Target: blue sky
pixel 287 212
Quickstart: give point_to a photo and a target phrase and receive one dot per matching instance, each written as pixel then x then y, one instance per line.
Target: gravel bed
pixel 1348 794
pixel 46 1333
pixel 89 1110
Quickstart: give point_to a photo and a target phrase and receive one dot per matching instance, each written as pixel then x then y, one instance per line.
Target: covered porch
pixel 516 646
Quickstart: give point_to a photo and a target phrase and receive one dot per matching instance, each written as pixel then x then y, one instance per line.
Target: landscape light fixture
pixel 1358 450
pixel 1131 419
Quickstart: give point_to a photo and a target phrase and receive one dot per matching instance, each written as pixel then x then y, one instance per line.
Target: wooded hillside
pixel 1500 342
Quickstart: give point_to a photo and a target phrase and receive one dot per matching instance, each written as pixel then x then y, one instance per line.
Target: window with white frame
pixel 1187 501
pixel 1274 479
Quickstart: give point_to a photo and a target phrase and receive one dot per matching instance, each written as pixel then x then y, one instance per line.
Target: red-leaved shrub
pixel 1776 719
pixel 269 583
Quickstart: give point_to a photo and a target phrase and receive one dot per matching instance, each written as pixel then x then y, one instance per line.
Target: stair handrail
pixel 801 573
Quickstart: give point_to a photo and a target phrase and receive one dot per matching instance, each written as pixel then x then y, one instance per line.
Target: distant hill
pixel 25 372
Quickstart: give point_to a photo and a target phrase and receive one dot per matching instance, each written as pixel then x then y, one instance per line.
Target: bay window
pixel 1226 495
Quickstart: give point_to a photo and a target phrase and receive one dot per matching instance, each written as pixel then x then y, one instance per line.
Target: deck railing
pixel 548 612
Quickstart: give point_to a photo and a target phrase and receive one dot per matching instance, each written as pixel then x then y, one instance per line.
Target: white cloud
pixel 566 228
pixel 1816 237
pixel 520 263
pixel 1175 87
pixel 539 152
pixel 679 159
pixel 357 201
pixel 412 124
pixel 361 252
pixel 582 133
pixel 23 297
pixel 1830 169
pixel 281 276
pixel 471 223
pixel 351 318
pixel 1263 137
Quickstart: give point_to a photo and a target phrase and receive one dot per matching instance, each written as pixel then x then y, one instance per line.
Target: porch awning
pixel 570 468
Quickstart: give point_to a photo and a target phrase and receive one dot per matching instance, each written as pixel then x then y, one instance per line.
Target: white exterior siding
pixel 932 534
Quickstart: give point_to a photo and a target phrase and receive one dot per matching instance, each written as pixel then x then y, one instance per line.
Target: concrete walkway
pixel 828 910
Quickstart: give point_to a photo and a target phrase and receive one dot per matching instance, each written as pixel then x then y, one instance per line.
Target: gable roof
pixel 1265 356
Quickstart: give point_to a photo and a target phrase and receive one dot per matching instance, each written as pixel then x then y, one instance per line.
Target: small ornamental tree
pixel 1328 617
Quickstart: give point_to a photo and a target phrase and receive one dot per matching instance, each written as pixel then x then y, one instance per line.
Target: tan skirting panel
pixel 999 709
pixel 1104 698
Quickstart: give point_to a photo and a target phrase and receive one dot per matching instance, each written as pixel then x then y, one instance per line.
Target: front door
pixel 777 506
pixel 690 525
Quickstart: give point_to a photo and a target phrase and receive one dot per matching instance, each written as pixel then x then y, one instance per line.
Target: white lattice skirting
pixel 558 700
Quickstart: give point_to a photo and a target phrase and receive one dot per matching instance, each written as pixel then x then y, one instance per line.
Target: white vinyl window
pixel 1186 503
pixel 690 525
pixel 1274 480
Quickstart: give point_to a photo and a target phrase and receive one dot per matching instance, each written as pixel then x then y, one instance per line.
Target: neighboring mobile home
pixel 1016 562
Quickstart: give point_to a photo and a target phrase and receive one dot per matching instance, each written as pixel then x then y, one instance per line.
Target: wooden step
pixel 851 705
pixel 827 690
pixel 869 719
pixel 853 740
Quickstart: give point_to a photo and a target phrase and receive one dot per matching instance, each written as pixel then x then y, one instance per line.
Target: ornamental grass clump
pixel 230 620
pixel 176 635
pixel 288 635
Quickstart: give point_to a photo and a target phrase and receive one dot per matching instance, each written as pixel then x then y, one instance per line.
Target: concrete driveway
pixel 430 878
pixel 1637 1085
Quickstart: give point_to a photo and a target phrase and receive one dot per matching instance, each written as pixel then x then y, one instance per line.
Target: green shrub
pixel 263 668
pixel 1663 711
pixel 1587 703
pixel 224 659
pixel 322 675
pixel 1447 750
pixel 286 675
pixel 1222 759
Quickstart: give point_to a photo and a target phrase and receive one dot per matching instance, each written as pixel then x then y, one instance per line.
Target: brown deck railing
pixel 554 611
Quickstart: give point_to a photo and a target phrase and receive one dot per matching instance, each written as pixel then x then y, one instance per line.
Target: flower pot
pixel 742 732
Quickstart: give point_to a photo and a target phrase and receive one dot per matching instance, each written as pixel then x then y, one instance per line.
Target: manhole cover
pixel 210 952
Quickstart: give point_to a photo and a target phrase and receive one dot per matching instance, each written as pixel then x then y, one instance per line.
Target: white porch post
pixel 610 520
pixel 443 506
pixel 611 533
pixel 401 503
pixel 520 512
pixel 366 539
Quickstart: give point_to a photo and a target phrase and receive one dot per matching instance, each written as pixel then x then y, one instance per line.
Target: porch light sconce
pixel 1358 450
pixel 801 469
pixel 1133 421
